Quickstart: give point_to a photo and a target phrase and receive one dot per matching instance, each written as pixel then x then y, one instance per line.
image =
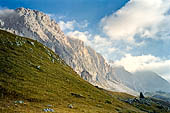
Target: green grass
pixel 21 78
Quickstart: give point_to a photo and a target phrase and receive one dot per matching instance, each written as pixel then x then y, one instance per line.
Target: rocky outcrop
pixel 39 26
pixel 89 64
pixel 86 76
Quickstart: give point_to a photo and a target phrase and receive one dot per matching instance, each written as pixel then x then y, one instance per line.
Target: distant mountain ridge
pixel 141 81
pixel 150 82
pixel 83 59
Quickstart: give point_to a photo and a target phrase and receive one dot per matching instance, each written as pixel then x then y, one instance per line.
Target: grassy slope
pixel 52 83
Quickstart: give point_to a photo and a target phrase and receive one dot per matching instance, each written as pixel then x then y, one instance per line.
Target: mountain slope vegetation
pixel 39 26
pixel 34 74
pixel 34 78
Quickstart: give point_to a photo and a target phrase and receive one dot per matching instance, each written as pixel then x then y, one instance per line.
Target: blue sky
pixel 91 10
pixel 133 33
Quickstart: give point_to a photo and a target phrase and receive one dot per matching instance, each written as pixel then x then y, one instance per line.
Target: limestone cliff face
pixel 86 76
pixel 83 59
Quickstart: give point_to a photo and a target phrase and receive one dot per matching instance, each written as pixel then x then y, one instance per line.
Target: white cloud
pixel 84 36
pixel 61 17
pixel 104 46
pixel 145 62
pixel 55 16
pixel 98 43
pixel 6 12
pixel 138 17
pixel 69 25
pixel 72 25
pixel 101 42
pixel 83 24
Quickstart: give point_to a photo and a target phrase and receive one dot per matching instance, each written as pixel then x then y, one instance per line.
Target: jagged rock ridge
pixel 84 60
pixel 39 26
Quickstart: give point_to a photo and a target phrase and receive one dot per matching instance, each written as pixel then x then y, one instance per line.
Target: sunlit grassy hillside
pixel 36 76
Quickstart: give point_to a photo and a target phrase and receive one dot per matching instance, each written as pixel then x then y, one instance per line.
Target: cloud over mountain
pixel 6 12
pixel 145 62
pixel 145 18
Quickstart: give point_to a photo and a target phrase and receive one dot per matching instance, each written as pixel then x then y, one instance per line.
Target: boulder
pixel 141 95
pixel 77 95
pixel 48 110
pixel 70 106
pixel 38 67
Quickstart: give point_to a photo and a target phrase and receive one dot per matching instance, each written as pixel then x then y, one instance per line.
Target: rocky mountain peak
pixel 33 14
pixel 39 26
pixel 31 23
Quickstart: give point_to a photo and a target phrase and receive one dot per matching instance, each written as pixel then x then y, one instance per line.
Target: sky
pixel 134 34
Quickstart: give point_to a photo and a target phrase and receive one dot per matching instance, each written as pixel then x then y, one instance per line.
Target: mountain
pixel 33 78
pixel 159 95
pixel 150 82
pixel 141 81
pixel 122 76
pixel 39 26
pixel 89 64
